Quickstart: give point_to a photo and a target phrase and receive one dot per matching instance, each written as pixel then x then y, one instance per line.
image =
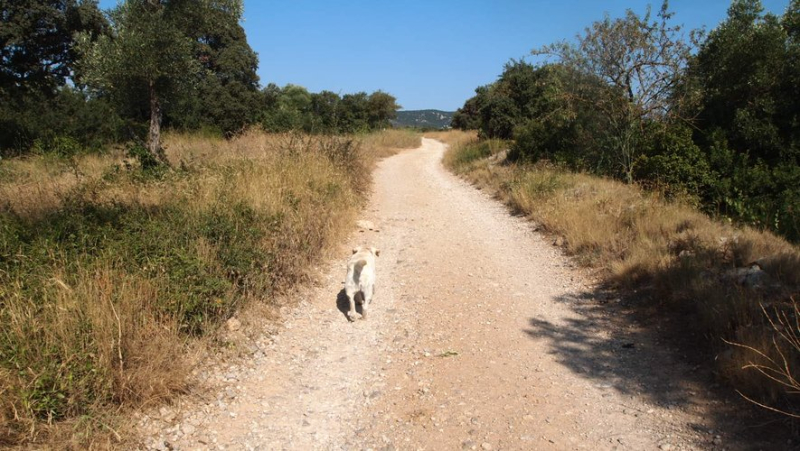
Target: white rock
pixel 233 324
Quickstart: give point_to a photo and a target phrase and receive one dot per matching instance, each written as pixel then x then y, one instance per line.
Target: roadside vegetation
pixel 111 273
pixel 670 162
pixel 711 118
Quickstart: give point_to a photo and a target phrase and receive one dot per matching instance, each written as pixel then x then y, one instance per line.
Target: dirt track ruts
pixel 482 335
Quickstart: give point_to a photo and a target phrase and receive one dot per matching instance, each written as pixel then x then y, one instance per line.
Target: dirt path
pixel 481 336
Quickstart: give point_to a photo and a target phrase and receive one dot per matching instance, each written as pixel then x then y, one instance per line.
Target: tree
pixel 227 96
pixel 288 108
pixel 381 108
pixel 747 72
pixel 36 43
pixel 468 117
pixel 36 60
pixel 325 106
pixel 149 51
pixel 294 108
pixel 556 126
pixel 354 113
pixel 740 69
pixel 641 61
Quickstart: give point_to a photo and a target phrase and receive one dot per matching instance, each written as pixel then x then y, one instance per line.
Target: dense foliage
pixel 294 108
pixel 629 100
pixel 71 74
pixel 37 58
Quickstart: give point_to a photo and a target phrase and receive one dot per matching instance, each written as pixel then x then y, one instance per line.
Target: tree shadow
pixel 644 353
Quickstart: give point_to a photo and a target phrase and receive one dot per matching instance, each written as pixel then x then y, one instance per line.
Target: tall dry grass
pixel 109 274
pixel 669 252
pixel 453 138
pixel 389 142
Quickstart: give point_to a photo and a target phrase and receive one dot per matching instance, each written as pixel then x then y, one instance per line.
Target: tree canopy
pixel 37 58
pixel 154 49
pixel 638 61
pixel 294 108
pixel 36 43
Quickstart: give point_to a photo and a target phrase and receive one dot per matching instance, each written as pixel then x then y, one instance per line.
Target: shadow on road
pixel 654 357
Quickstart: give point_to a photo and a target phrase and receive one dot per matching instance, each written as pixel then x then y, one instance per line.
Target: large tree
pixel 150 51
pixel 381 108
pixel 641 60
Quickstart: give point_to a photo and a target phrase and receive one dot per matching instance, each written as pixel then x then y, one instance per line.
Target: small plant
pixel 780 362
pixel 146 159
pixel 60 146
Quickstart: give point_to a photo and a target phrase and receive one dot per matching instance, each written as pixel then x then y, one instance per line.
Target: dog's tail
pixel 357 268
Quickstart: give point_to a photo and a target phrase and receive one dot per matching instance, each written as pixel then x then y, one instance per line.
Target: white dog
pixel 360 282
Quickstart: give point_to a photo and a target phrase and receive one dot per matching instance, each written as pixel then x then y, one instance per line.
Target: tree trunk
pixel 154 137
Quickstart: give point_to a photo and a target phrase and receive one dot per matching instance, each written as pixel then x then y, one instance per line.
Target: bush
pixel 60 146
pixel 673 163
pixel 89 123
pixel 146 159
pixel 461 159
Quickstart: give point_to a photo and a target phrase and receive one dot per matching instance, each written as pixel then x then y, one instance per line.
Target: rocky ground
pixel 482 336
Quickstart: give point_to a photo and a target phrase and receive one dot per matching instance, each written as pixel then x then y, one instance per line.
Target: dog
pixel 359 284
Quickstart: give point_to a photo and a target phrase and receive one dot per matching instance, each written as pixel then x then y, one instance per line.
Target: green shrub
pixel 673 163
pixel 146 159
pixel 462 157
pixel 60 146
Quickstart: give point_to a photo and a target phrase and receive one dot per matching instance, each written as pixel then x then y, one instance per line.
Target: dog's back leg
pixel 351 296
pixel 367 300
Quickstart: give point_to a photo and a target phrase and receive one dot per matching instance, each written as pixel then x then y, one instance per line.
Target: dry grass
pixel 453 138
pixel 254 144
pixel 108 274
pixel 390 141
pixel 678 257
pixel 36 185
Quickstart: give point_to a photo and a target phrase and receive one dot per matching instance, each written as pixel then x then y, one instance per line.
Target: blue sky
pixel 426 53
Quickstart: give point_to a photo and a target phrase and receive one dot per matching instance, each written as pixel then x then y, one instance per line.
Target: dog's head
pixel 375 251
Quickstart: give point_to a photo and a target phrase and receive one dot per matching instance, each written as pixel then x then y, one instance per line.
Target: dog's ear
pixel 356 249
pixel 375 251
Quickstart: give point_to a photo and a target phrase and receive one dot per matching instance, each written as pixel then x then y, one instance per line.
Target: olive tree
pixel 149 50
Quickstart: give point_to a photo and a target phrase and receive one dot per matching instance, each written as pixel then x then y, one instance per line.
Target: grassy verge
pixel 453 138
pixel 109 273
pixel 390 141
pixel 672 255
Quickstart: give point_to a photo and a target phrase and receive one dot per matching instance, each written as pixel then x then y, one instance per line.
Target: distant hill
pixel 423 118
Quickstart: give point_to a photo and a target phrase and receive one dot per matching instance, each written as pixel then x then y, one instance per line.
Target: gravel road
pixel 482 335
